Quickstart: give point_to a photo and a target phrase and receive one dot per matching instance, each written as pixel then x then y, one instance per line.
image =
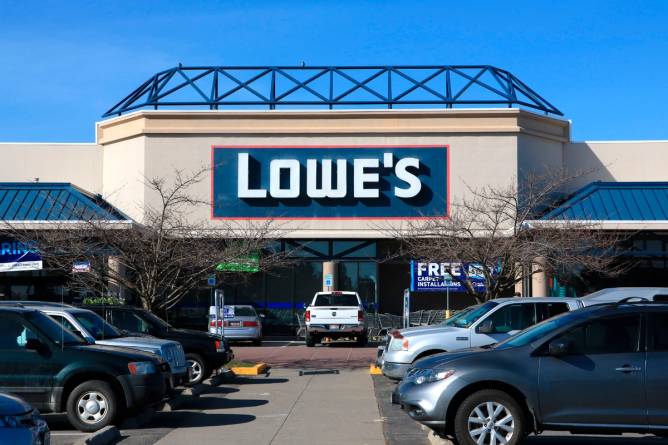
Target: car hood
pixel 129 354
pixel 444 358
pixel 136 342
pixel 430 330
pixel 11 405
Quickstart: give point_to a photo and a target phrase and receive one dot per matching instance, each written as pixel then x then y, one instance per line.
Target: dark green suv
pixel 56 371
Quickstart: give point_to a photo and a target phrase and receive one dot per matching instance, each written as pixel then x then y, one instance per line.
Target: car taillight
pixel 396 334
pixel 250 324
pixel 307 316
pixel 213 323
pixel 219 344
pixel 360 315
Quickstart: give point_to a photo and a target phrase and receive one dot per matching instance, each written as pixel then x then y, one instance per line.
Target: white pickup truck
pixel 335 314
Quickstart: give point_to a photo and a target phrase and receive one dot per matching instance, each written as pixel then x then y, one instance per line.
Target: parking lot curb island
pixel 258 369
pixel 106 436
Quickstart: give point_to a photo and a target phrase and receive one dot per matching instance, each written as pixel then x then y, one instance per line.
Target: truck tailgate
pixel 334 315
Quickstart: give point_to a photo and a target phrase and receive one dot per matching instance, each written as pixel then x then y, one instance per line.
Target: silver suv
pixel 94 329
pixel 489 323
pixel 598 369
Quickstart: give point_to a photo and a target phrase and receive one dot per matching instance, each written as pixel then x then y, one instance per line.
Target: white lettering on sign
pixel 365 179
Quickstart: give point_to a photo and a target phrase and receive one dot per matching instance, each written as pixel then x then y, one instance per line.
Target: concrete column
pixel 539 280
pixel 116 288
pixel 329 268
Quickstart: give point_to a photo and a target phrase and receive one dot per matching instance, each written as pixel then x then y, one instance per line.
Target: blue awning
pixel 53 201
pixel 615 201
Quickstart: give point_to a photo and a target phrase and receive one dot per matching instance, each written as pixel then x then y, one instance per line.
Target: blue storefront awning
pixel 615 201
pixel 53 201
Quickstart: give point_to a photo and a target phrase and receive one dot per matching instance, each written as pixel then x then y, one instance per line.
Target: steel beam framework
pixel 329 87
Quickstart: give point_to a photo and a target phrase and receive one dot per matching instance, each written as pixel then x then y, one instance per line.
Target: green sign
pixel 248 264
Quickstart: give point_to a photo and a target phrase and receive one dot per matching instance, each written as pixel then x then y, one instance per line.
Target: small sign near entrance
pixel 81 266
pixel 329 280
pixel 211 281
pixel 228 311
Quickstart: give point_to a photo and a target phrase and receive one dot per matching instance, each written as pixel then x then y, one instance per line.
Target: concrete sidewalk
pixel 286 409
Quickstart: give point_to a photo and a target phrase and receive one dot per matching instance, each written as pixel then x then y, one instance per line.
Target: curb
pixel 375 370
pixel 435 439
pixel 258 369
pixel 224 376
pixel 105 436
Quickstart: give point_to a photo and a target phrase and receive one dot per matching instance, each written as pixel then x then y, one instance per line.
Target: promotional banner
pixel 333 182
pixel 16 256
pixel 433 277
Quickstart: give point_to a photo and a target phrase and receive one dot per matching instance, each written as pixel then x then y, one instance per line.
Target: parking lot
pixel 340 403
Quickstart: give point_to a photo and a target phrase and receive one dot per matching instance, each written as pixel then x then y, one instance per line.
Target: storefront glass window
pixel 360 277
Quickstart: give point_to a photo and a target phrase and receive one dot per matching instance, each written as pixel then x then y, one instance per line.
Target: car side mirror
pixel 486 327
pixel 557 348
pixel 33 344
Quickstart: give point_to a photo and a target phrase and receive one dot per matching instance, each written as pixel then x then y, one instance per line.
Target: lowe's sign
pixel 333 182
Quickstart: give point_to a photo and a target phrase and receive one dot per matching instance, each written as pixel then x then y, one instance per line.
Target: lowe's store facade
pixel 339 158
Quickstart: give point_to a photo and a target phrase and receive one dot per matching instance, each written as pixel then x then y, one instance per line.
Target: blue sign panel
pixel 433 277
pixel 339 182
pixel 17 256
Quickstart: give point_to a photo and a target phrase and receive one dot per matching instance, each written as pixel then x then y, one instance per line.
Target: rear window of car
pixel 336 300
pixel 244 311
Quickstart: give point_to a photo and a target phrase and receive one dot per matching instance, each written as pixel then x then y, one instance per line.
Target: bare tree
pixel 496 229
pixel 159 259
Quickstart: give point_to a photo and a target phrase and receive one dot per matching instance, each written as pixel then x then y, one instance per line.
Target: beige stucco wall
pixel 80 164
pixel 486 149
pixel 124 169
pixel 617 161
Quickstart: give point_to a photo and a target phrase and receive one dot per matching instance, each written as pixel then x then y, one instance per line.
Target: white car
pixel 335 314
pixel 489 323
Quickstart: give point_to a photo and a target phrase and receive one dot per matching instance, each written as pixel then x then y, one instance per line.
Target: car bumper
pixel 427 403
pixel 239 334
pixel 218 359
pixel 38 434
pixel 335 330
pixel 395 370
pixel 143 390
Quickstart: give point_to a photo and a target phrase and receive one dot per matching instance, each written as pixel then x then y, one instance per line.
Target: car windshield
pixel 461 314
pixel 471 317
pixel 153 320
pixel 56 332
pixel 539 330
pixel 96 326
pixel 244 311
pixel 336 299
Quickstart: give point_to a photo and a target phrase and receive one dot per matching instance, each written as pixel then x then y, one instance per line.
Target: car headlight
pixel 141 368
pixel 10 422
pixel 431 375
pixel 399 344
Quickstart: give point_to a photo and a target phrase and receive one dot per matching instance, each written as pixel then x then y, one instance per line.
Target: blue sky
pixel 603 63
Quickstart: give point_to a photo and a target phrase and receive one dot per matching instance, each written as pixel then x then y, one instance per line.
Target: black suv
pixel 204 352
pixel 57 371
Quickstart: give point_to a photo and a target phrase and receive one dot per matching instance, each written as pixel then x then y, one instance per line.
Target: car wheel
pixel 310 340
pixel 489 417
pixel 200 371
pixel 91 406
pixel 362 340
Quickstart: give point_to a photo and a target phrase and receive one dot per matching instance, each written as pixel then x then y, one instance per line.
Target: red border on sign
pixel 333 218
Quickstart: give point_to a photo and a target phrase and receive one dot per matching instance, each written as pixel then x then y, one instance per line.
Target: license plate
pixel 335 326
pixel 235 324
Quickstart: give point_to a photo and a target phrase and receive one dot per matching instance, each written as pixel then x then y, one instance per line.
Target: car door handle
pixel 628 368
